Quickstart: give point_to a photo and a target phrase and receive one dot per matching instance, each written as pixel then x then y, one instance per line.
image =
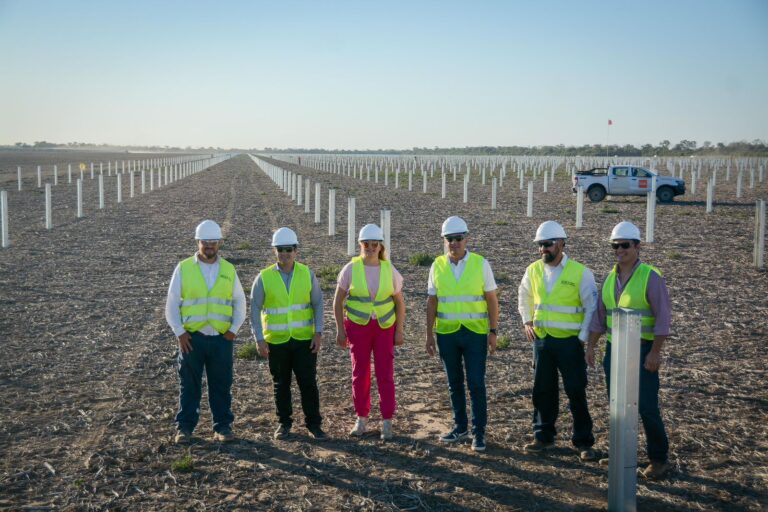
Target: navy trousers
pixel 657 444
pixel 214 354
pixel 465 349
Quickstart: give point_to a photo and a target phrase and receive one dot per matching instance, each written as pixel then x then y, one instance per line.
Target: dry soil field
pixel 88 388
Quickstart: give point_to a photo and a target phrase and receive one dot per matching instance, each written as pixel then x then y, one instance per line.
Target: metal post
pixel 710 194
pixel 650 217
pixel 307 194
pixel 119 187
pixel 143 181
pixel 79 186
pixel 351 225
pixel 424 186
pixel 493 194
pixel 386 216
pixel 6 242
pixel 410 180
pixel 759 253
pixel 466 188
pixel 55 174
pixel 442 187
pixel 18 175
pixel 39 177
pixel 529 208
pixel 624 393
pixel 331 211
pixel 101 191
pixel 580 206
pixel 131 193
pixel 48 207
pixel 545 181
pixel 299 189
pixel 317 203
pixel 151 180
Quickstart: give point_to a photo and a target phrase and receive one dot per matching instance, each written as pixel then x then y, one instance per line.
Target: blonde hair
pixel 382 249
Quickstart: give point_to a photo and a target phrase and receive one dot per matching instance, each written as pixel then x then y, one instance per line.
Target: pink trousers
pixel 364 340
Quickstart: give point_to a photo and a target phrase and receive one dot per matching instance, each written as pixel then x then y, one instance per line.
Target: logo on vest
pixel 569 283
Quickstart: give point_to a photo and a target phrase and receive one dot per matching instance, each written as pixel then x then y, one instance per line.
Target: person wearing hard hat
pixel 462 308
pixel 556 300
pixel 639 286
pixel 287 322
pixel 369 291
pixel 205 308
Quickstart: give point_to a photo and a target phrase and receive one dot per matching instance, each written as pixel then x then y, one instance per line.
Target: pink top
pixel 371 278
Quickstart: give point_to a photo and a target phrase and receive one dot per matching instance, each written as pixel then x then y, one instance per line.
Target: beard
pixel 549 257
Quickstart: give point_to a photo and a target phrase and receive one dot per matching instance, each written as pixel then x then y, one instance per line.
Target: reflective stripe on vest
pixel 287 314
pixel 460 303
pixel 633 297
pixel 200 306
pixel 559 313
pixel 360 305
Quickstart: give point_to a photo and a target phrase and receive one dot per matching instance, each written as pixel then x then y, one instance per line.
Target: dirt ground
pixel 88 388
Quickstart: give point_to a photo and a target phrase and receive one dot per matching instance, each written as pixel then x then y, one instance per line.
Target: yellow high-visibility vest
pixel 460 303
pixel 286 313
pixel 559 313
pixel 201 307
pixel 632 297
pixel 359 303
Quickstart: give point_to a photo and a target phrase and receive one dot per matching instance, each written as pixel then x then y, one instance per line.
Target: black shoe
pixel 317 432
pixel 283 431
pixel 478 443
pixel 454 436
pixel 224 435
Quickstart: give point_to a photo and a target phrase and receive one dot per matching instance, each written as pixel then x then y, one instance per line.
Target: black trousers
pixel 295 357
pixel 566 357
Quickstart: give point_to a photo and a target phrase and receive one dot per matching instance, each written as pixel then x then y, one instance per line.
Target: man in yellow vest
pixel 635 285
pixel 205 307
pixel 556 299
pixel 287 322
pixel 462 308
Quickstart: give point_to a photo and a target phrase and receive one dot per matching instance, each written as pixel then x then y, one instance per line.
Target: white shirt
pixel 587 292
pixel 210 273
pixel 489 283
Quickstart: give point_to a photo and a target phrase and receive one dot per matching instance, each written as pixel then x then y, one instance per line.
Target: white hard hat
pixel 454 225
pixel 370 232
pixel 208 230
pixel 284 236
pixel 625 231
pixel 549 230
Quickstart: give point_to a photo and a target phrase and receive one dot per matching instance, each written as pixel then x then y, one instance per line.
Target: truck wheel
pixel 665 195
pixel 596 193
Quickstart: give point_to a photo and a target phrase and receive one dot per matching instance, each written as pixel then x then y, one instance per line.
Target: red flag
pixel 610 122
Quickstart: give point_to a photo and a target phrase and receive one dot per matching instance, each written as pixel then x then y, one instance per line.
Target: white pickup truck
pixel 626 180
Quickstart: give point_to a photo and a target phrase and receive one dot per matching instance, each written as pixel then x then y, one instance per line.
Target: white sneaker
pixel 386 430
pixel 360 428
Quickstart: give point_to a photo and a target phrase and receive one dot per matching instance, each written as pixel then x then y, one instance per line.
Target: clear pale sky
pixel 365 75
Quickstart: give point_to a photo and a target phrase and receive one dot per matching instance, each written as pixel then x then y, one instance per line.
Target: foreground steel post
pixel 624 391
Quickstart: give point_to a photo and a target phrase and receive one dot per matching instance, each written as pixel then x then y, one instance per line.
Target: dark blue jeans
pixel 566 356
pixel 657 444
pixel 459 350
pixel 214 354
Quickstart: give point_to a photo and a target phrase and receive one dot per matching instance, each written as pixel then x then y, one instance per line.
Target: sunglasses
pixel 284 249
pixel 370 243
pixel 546 244
pixel 623 245
pixel 454 238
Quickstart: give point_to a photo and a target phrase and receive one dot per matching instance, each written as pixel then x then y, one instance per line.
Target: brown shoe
pixel 656 470
pixel 538 446
pixel 587 454
pixel 224 436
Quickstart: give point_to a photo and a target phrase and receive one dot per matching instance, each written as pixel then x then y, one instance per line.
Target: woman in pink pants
pixel 370 314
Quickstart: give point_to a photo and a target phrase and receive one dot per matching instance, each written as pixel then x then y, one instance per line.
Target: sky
pixel 379 75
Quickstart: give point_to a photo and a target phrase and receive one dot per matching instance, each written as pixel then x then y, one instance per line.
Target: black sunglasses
pixel 623 245
pixel 284 249
pixel 454 238
pixel 546 243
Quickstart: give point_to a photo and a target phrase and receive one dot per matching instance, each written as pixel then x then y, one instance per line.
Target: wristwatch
pixel 493 331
